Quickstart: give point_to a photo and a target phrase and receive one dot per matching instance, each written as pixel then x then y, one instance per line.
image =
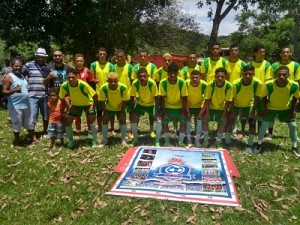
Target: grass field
pixel 41 186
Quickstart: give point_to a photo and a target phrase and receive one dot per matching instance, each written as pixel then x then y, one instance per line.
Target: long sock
pixel 167 137
pixel 181 137
pixel 251 139
pixel 69 131
pixel 105 132
pixel 293 131
pixel 205 134
pixel 199 127
pixel 237 118
pixel 123 132
pixel 228 138
pixel 219 135
pixel 262 131
pixel 188 128
pixel 94 131
pixel 134 131
pixel 243 124
pixel 158 130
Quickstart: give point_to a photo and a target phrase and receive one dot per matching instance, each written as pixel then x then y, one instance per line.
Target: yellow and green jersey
pixel 244 94
pixel 219 95
pixel 113 98
pixel 279 98
pixel 209 66
pixel 146 94
pixel 100 71
pixel 236 69
pixel 82 95
pixel 160 74
pixel 186 71
pixel 173 92
pixel 124 74
pixel 195 96
pixel 293 70
pixel 262 70
pixel 150 67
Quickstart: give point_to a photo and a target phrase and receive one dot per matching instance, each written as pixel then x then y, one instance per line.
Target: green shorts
pixel 174 115
pixel 141 110
pixel 283 116
pixel 77 110
pixel 113 113
pixel 195 111
pixel 242 111
pixel 216 115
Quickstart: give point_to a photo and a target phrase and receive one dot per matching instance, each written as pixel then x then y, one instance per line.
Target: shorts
pixel 21 118
pixel 216 115
pixel 283 116
pixel 195 111
pixel 174 115
pixel 39 105
pixel 77 110
pixel 56 130
pixel 113 113
pixel 242 111
pixel 141 110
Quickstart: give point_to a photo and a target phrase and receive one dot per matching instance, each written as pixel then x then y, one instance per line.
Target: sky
pixel 227 26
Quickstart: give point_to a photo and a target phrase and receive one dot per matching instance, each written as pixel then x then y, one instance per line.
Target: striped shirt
pixel 34 74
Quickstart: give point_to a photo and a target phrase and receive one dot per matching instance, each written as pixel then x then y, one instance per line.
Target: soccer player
pixel 113 97
pixel 191 65
pixel 173 99
pixel 83 98
pixel 262 72
pixel 218 106
pixel 236 65
pixel 196 90
pixel 146 102
pixel 100 69
pixel 294 71
pixel 162 72
pixel 210 64
pixel 144 63
pixel 83 73
pixel 288 92
pixel 246 93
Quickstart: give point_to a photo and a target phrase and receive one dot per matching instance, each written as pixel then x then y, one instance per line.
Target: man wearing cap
pixel 38 94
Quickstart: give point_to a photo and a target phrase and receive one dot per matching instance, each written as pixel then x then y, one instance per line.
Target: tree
pixel 221 11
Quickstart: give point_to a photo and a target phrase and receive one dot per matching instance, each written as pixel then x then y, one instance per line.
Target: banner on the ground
pixel 194 175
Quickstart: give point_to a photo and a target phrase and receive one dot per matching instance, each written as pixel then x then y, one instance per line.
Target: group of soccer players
pixel 224 90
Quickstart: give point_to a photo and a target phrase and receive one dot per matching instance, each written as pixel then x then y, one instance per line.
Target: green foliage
pixel 85 25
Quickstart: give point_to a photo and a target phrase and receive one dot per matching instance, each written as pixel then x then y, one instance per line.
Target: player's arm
pixel 293 107
pixel 184 106
pixel 204 112
pixel 163 106
pixel 254 108
pixel 157 107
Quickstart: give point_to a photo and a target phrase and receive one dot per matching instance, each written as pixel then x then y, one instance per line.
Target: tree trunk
pixel 214 33
pixel 296 36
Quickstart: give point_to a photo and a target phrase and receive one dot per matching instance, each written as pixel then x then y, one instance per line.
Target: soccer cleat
pixel 124 144
pixel 249 149
pixel 268 137
pixel 94 144
pixel 181 144
pixel 153 135
pixel 295 151
pixel 219 145
pixel 197 143
pixel 205 144
pixel 71 145
pixel 258 148
pixel 102 144
pixel 157 144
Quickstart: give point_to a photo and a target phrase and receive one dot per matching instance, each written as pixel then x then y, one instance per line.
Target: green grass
pixel 41 186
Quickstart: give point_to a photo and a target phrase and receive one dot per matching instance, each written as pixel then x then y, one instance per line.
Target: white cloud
pixel 227 26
